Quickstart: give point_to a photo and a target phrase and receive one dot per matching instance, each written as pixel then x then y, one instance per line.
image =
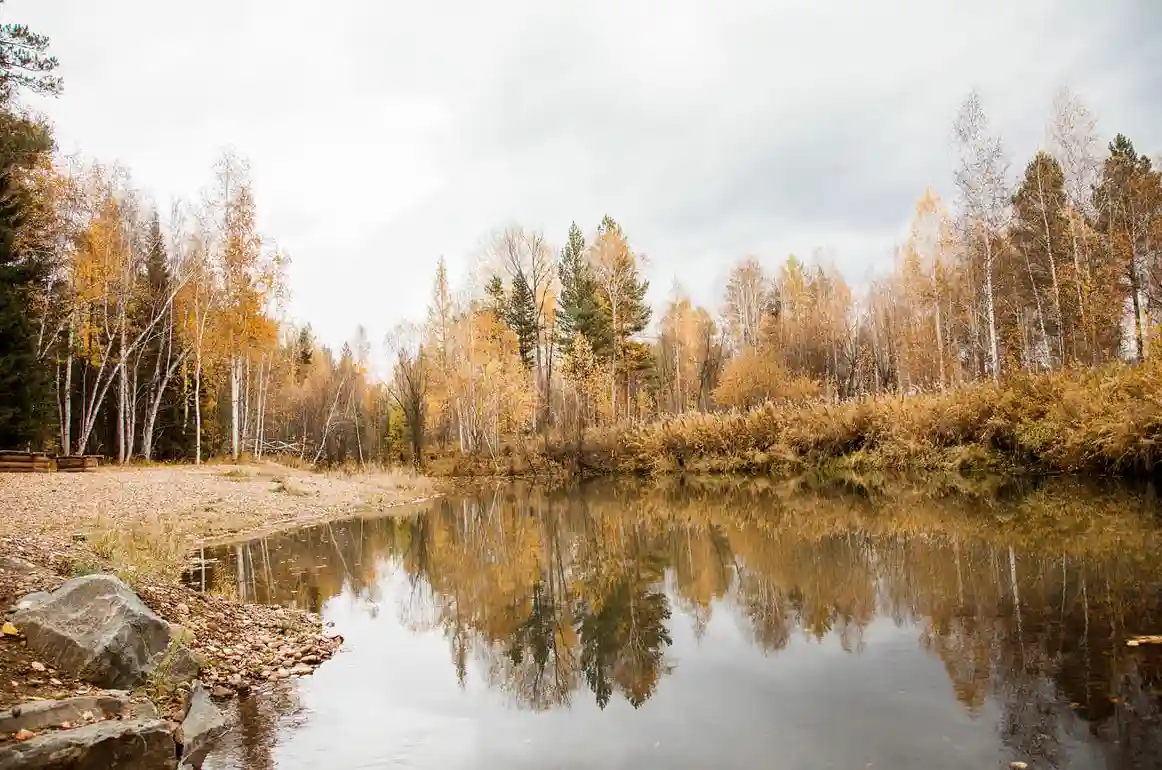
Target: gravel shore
pixel 195 502
pixel 141 523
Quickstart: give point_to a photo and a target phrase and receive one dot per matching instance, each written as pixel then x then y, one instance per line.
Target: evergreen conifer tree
pixel 522 319
pixel 580 308
pixel 24 392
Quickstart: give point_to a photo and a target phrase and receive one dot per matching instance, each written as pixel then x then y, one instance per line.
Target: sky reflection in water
pixel 727 627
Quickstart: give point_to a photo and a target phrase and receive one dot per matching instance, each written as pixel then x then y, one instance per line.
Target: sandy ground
pixel 195 502
pixel 141 523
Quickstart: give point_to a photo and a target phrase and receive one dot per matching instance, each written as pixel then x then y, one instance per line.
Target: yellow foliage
pixel 479 389
pixel 753 377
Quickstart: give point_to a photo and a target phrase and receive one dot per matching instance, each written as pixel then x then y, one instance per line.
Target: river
pixel 717 624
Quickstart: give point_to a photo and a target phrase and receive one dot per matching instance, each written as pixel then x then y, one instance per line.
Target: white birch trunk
pixel 67 406
pixel 235 373
pixel 990 311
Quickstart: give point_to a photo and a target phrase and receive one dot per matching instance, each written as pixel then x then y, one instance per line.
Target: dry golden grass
pixel 1101 421
pixel 1105 421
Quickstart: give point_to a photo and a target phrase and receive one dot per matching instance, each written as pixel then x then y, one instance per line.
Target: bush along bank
pixel 1101 422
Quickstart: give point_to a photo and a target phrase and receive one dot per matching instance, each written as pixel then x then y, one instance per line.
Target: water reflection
pixel 552 597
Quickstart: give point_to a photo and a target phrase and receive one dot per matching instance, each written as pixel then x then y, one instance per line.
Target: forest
pixel 141 334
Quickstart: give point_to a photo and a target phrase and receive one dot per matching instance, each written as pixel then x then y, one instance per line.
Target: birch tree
pixel 745 302
pixel 982 178
pixel 249 279
pixel 1073 141
pixel 616 270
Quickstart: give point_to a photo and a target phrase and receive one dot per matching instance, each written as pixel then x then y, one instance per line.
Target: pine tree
pixel 24 62
pixel 1040 232
pixel 157 267
pixel 497 302
pixel 24 384
pixel 167 442
pixel 304 352
pixel 1128 201
pixel 579 309
pixel 22 378
pixel 522 319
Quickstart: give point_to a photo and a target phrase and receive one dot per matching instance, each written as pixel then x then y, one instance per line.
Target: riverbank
pixel 1101 422
pixel 141 524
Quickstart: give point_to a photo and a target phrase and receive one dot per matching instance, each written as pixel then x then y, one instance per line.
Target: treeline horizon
pixel 136 336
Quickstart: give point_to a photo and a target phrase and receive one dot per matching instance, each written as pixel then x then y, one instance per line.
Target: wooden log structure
pixel 37 462
pixel 76 463
pixel 25 462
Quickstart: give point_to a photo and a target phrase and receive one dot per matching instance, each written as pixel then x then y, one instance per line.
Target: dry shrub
pixel 755 377
pixel 1102 421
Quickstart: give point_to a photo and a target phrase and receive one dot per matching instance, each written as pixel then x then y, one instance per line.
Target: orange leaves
pixel 754 377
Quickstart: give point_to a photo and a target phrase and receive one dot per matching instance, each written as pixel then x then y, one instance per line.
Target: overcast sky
pixel 384 134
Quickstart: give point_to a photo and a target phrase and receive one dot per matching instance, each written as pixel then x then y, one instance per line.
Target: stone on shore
pixel 95 627
pixel 203 725
pixel 135 744
pixel 37 715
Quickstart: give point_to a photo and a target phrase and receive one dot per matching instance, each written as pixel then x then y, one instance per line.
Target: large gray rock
pixel 96 628
pixel 203 726
pixel 29 600
pixel 40 714
pixel 136 744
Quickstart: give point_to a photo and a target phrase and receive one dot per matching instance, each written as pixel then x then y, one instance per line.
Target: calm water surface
pixel 732 626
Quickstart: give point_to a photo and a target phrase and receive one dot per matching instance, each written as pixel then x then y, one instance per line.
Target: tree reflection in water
pixel 552 592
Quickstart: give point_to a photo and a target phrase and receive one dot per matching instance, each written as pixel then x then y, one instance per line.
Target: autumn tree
pixel 920 301
pixel 983 183
pixel 754 377
pixel 250 281
pixel 587 375
pixel 689 355
pixel 746 301
pixel 409 363
pixel 616 270
pixel 1073 141
pixel 525 260
pixel 442 353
